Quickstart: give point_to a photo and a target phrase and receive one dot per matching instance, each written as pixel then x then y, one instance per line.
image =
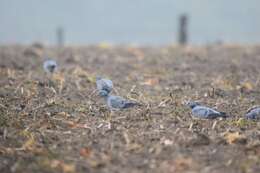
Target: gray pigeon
pixel 50 66
pixel 199 111
pixel 104 84
pixel 253 113
pixel 117 102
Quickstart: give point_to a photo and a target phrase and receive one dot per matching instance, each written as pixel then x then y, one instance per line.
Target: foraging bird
pixel 104 84
pixel 253 113
pixel 117 102
pixel 50 66
pixel 199 111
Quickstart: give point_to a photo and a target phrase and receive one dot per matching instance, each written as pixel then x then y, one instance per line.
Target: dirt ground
pixel 57 123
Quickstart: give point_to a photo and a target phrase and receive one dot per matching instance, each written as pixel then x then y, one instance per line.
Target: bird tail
pixel 251 116
pixel 223 114
pixel 131 104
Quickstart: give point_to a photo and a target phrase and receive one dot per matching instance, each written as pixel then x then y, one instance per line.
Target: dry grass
pixel 57 124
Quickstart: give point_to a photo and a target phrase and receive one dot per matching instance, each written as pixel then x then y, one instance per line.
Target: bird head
pixel 50 66
pixel 192 104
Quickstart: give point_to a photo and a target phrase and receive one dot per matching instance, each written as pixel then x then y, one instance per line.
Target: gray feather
pixel 205 112
pixel 253 114
pixel 104 84
pixel 50 66
pixel 117 102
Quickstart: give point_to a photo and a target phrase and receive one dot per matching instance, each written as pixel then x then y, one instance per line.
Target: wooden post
pixel 183 29
pixel 60 36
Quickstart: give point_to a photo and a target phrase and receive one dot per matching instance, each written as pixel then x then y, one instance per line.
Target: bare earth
pixel 59 124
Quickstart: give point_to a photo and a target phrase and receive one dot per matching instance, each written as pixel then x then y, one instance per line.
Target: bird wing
pixel 205 112
pixel 253 114
pixel 253 108
pixel 117 102
pixel 200 112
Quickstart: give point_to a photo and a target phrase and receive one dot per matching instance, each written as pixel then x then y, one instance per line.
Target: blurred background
pixel 141 22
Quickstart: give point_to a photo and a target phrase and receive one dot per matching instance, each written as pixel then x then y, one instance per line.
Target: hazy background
pixel 128 21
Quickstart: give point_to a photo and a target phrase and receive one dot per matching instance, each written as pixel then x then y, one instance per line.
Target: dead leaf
pixel 134 147
pixel 245 87
pixel 66 168
pixel 151 81
pixel 60 79
pixel 4 150
pixel 53 163
pixel 181 164
pixel 223 83
pixel 78 71
pixel 95 163
pixel 248 86
pixel 85 152
pixel 30 143
pixel 64 114
pixel 234 137
pixel 136 52
pixel 168 142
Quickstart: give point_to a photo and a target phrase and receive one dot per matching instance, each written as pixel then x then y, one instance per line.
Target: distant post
pixel 183 29
pixel 60 36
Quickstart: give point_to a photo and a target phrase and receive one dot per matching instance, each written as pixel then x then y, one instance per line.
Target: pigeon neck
pixel 193 106
pixel 106 96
